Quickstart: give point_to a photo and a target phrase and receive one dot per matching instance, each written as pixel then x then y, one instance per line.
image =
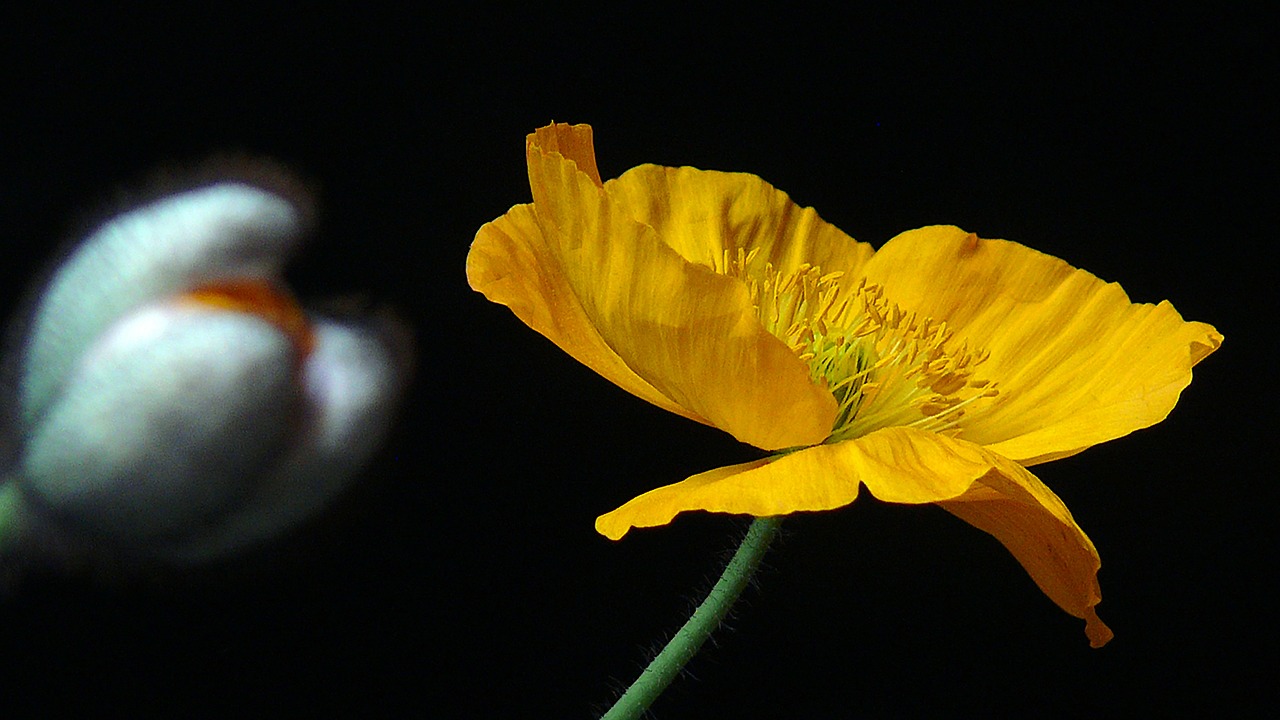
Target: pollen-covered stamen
pixel 883 366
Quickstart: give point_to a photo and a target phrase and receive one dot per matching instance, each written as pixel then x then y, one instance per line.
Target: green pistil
pixel 845 367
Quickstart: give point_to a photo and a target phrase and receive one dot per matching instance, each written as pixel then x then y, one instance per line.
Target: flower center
pixel 884 367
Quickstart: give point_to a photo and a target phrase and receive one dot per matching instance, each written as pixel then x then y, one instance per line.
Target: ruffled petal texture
pixel 1076 362
pixel 901 465
pixel 681 329
pixel 510 263
pixel 896 464
pixel 703 214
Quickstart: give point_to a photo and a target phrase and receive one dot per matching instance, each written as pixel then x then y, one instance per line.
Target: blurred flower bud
pixel 172 398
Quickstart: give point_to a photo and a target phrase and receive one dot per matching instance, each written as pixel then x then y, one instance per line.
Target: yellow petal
pixel 572 142
pixel 511 264
pixel 900 465
pixel 688 332
pixel 701 214
pixel 896 464
pixel 1075 361
pixel 1033 524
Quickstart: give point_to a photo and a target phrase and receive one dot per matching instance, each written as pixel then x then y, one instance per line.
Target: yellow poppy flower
pixel 934 370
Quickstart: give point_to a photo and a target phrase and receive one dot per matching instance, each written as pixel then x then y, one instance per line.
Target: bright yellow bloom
pixel 932 371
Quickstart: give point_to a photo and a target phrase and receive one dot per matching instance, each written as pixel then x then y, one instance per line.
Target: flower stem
pixel 681 649
pixel 9 518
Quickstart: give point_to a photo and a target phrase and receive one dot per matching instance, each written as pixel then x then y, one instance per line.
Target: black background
pixel 462 576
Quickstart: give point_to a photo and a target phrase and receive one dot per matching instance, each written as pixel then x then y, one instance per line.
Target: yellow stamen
pixel 885 367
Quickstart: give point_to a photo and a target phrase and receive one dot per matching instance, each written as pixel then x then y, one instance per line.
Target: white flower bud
pixel 173 402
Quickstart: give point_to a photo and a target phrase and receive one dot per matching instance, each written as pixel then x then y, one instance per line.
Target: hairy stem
pixel 681 649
